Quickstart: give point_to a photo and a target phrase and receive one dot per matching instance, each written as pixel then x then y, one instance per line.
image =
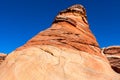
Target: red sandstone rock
pixel 66 51
pixel 113 55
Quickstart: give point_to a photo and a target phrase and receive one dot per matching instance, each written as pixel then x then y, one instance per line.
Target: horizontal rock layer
pixel 113 55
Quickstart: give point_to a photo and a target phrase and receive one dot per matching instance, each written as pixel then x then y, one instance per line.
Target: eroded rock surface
pixel 66 51
pixel 113 55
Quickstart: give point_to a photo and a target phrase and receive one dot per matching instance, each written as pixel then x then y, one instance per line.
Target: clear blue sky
pixel 20 20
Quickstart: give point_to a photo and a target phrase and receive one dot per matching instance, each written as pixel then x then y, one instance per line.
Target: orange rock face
pixel 66 51
pixel 113 55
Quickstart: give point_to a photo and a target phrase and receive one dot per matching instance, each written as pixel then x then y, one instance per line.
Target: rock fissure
pixel 47 51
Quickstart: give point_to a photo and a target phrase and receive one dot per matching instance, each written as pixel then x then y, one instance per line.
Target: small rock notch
pixel 2 57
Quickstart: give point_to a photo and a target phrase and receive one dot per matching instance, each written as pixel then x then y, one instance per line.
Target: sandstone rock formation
pixel 2 57
pixel 113 55
pixel 66 51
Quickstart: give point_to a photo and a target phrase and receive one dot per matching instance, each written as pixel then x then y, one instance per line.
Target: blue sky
pixel 20 20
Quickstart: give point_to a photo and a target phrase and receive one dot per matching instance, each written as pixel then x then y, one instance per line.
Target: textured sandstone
pixel 66 51
pixel 69 30
pixel 113 55
pixel 2 57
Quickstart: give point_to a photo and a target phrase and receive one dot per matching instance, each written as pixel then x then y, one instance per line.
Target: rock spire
pixel 66 51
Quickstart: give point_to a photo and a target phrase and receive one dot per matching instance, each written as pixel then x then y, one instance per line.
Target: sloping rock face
pixel 113 55
pixel 66 51
pixel 2 57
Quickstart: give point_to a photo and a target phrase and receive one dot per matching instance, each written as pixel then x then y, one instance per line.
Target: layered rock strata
pixel 66 51
pixel 113 55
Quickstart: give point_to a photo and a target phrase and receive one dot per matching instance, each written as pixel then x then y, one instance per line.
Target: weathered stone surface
pixel 2 57
pixel 66 51
pixel 113 55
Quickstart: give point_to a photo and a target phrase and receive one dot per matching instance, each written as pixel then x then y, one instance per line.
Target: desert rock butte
pixel 67 50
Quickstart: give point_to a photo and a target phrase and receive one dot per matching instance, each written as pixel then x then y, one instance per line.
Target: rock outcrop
pixel 66 51
pixel 113 55
pixel 2 57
